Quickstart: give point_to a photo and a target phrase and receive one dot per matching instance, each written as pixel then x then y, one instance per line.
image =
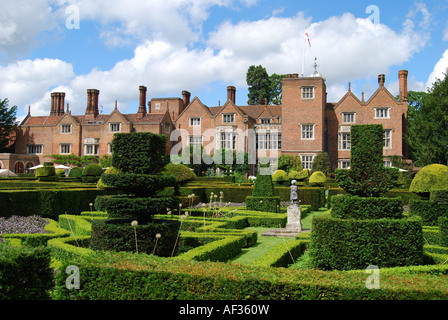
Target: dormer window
pixel 115 127
pixel 195 122
pixel 382 113
pixel 348 117
pixel 66 128
pixel 265 121
pixel 228 118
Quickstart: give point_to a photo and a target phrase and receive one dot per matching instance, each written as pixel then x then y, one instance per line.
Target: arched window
pixel 28 166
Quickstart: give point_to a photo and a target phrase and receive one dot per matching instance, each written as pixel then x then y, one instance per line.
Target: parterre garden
pixel 153 231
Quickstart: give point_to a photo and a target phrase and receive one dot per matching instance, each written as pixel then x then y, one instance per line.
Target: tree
pixel 322 163
pixel 259 85
pixel 428 125
pixel 7 124
pixel 276 88
pixel 263 86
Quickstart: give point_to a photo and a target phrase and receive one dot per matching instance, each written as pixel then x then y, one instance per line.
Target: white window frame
pixel 195 140
pixel 229 141
pixel 35 149
pixel 387 163
pixel 157 105
pixel 382 112
pixel 307 93
pixel 95 149
pixel 344 164
pixel 66 128
pixel 63 146
pixel 195 122
pixel 228 118
pixel 307 160
pixel 265 121
pixel 275 141
pixel 387 139
pixel 262 141
pixel 308 134
pixel 109 148
pixel 115 127
pixel 345 141
pixel 351 117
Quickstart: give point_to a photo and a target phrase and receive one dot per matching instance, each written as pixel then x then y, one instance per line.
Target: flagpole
pixel 303 57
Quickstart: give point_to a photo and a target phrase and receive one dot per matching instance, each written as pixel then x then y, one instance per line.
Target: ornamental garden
pixel 147 229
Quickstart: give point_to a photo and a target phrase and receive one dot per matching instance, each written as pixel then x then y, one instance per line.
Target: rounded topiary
pixel 280 176
pixel 46 173
pixel 60 173
pixel 318 178
pixel 294 175
pixel 75 172
pixel 110 170
pixel 180 171
pixel 92 173
pixel 431 177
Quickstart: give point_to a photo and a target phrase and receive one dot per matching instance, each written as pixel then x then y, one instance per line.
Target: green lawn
pixel 264 244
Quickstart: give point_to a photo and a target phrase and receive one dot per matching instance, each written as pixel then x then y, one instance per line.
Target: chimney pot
pixel 186 97
pixel 381 80
pixel 231 94
pixel 142 105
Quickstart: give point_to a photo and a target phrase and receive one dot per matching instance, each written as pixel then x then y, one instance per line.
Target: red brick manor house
pixel 306 124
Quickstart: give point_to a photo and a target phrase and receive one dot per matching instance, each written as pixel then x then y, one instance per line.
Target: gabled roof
pixel 345 97
pixel 382 89
pixel 195 99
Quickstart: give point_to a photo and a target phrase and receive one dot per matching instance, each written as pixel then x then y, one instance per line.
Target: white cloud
pixel 21 22
pixel 27 82
pixel 440 69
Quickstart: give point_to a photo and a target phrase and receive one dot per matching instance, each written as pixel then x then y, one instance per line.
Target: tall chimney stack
pixel 142 106
pixel 403 79
pixel 57 103
pixel 186 97
pixel 92 102
pixel 231 94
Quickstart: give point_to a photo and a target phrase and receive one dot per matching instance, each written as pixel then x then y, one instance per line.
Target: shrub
pixel 119 235
pixel 92 169
pixel 138 184
pixel 280 176
pixel 60 173
pixel 142 209
pixel 46 173
pixel 75 172
pixel 353 207
pixel 263 185
pixel 322 163
pixel 288 163
pixel 139 152
pixel 367 175
pixel 318 178
pixel 180 171
pixel 439 196
pixel 431 177
pixel 355 244
pixel 294 175
pixel 443 231
pixel 101 184
pixel 266 204
pixel 303 175
pixel 428 211
pixel 25 273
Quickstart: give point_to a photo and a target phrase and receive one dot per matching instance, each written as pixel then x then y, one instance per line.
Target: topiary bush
pixel 46 173
pixel 91 173
pixel 431 177
pixel 181 172
pixel 280 176
pixel 100 184
pixel 443 231
pixel 318 178
pixel 75 172
pixel 264 192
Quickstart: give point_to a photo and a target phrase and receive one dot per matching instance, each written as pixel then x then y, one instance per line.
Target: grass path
pixel 264 244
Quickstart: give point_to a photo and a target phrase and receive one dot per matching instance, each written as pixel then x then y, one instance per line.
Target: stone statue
pixel 294 194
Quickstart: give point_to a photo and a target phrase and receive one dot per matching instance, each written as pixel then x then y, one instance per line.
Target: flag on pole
pixel 307 37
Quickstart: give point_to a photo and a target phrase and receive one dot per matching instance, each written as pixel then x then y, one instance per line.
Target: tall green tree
pixel 263 86
pixel 276 88
pixel 428 125
pixel 259 84
pixel 7 124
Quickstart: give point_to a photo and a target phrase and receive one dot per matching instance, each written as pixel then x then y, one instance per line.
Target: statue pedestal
pixel 293 226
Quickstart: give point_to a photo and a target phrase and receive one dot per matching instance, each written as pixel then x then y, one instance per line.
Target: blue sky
pixel 205 45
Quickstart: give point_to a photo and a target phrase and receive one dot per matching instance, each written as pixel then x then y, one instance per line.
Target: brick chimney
pixel 231 93
pixel 92 102
pixel 142 105
pixel 381 80
pixel 186 97
pixel 403 79
pixel 57 103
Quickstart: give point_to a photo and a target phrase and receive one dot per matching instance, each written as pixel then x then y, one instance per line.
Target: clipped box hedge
pixel 127 276
pixel 429 211
pixel 355 244
pixel 354 207
pixel 282 254
pixel 443 231
pixel 25 273
pixel 265 204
